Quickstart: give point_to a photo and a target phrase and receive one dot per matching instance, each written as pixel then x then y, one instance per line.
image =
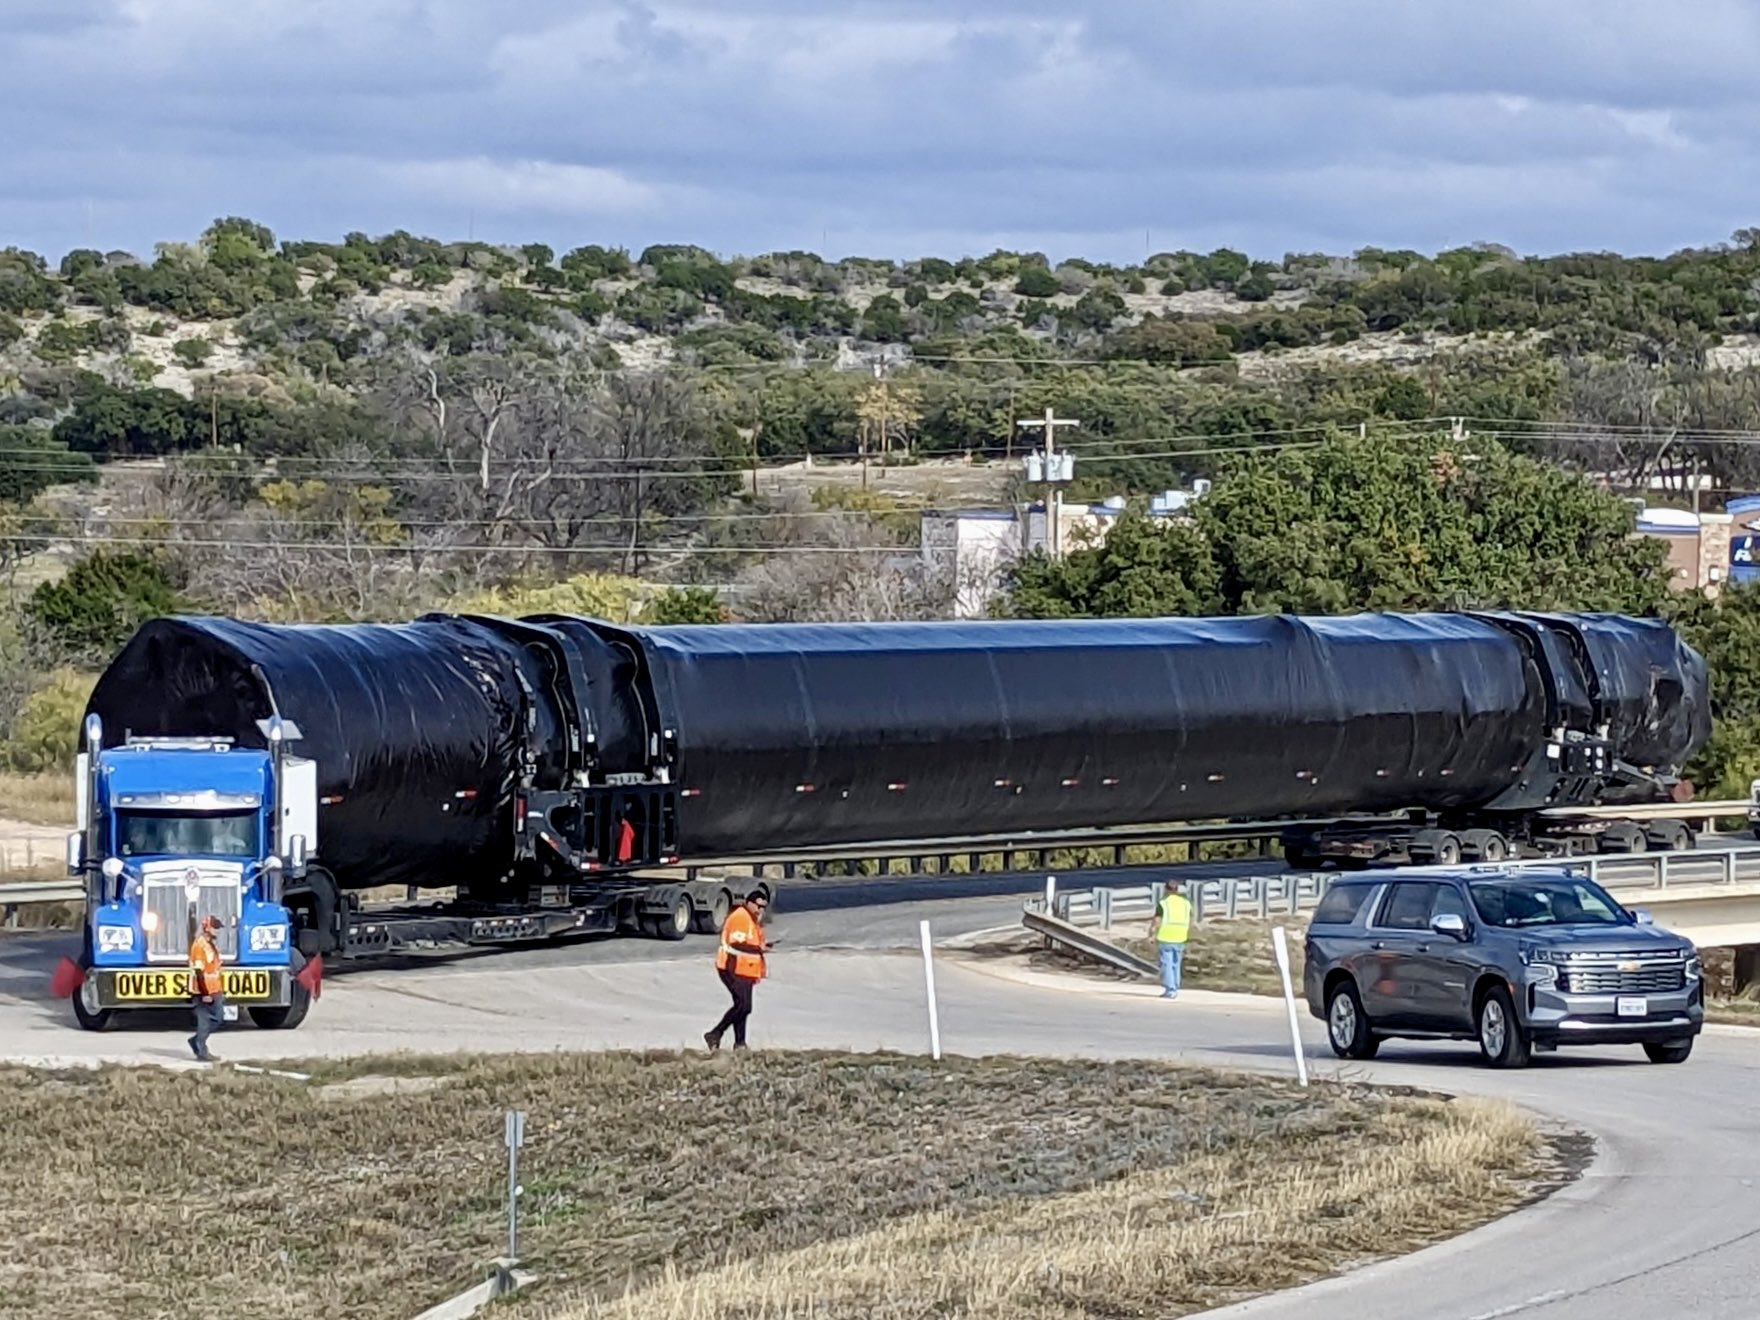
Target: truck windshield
pixel 157 833
pixel 1553 902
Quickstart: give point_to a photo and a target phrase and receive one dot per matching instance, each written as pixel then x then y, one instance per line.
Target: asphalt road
pixel 1666 1221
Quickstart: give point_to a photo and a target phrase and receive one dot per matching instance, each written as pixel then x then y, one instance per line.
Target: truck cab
pixel 172 830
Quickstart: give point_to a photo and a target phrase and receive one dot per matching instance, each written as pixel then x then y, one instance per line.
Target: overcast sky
pixel 898 129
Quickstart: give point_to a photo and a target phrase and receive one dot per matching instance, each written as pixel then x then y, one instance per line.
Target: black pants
pixel 740 987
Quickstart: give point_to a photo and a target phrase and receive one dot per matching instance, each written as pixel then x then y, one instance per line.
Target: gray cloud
pixel 890 129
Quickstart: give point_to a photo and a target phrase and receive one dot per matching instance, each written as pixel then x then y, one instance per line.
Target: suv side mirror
pixel 1642 917
pixel 1451 924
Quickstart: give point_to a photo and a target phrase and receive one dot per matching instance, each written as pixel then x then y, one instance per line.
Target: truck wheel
pixel 285 1017
pixel 1347 1026
pixel 1669 1051
pixel 1484 846
pixel 85 1002
pixel 1502 1040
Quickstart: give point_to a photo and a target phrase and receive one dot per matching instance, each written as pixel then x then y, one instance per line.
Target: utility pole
pixel 1057 468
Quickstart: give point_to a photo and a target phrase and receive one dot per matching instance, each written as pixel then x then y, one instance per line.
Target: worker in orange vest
pixel 207 987
pixel 740 962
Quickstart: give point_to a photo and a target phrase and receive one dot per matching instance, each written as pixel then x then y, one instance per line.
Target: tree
pixel 1382 523
pixel 32 460
pixel 679 605
pixel 88 614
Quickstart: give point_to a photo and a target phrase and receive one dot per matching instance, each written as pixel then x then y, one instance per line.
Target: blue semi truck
pixel 172 830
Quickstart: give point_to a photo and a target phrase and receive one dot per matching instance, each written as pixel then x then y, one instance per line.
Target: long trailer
pixel 536 766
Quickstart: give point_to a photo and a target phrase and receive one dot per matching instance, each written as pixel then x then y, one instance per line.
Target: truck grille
pixel 1622 974
pixel 164 892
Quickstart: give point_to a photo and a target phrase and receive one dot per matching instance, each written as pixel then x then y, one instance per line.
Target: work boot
pixel 739 1045
pixel 194 1048
pixel 712 1040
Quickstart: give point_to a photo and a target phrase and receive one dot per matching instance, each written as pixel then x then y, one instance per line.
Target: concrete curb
pixel 1071 984
pixel 507 1279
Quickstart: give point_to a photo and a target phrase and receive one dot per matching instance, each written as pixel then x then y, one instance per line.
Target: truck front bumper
pixel 152 987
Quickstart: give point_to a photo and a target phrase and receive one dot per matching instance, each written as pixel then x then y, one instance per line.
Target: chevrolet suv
pixel 1517 959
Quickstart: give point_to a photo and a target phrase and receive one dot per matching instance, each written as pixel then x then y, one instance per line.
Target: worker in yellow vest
pixel 1170 926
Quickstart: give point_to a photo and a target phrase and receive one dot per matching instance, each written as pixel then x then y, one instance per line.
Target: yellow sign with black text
pixel 243 983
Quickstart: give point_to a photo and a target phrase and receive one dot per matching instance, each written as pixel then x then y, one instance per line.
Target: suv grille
pixel 1622 974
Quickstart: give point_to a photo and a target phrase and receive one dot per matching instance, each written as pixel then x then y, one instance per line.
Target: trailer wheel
pixel 1435 847
pixel 1484 846
pixel 1669 836
pixel 675 922
pixel 711 920
pixel 1622 837
pixel 85 1001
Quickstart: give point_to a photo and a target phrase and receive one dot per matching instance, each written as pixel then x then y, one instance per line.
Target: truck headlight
pixel 1542 974
pixel 115 939
pixel 1695 968
pixel 264 938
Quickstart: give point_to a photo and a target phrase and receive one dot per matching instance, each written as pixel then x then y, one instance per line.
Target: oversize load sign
pixel 138 987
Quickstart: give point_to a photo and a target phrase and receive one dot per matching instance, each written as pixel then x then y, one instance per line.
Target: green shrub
pixel 45 736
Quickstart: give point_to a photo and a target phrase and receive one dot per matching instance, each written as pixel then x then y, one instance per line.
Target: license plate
pixel 1632 1006
pixel 170 986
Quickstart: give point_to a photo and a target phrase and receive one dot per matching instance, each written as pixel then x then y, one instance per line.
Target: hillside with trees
pixel 291 429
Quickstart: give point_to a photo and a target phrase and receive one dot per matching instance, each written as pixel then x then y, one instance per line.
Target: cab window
pixel 1341 903
pixel 1449 901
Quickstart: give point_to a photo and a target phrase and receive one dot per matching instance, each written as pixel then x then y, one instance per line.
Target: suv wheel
pixel 1501 1038
pixel 1669 1051
pixel 1347 1026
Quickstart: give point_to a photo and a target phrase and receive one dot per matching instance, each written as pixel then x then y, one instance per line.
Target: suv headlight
pixel 115 939
pixel 1695 968
pixel 1543 974
pixel 264 938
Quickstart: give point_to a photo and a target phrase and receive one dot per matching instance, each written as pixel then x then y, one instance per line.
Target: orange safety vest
pixel 204 966
pixel 740 934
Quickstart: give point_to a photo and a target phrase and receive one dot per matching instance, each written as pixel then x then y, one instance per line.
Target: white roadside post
pixel 929 985
pixel 1280 947
pixel 1050 895
pixel 515 1138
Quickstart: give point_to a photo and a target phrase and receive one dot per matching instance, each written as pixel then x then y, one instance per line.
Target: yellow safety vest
pixel 1176 919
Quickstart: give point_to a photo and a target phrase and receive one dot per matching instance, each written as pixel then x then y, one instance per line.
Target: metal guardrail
pixel 1072 936
pixel 1265 896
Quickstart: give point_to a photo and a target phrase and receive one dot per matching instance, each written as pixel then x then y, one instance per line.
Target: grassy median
pixel 664 1186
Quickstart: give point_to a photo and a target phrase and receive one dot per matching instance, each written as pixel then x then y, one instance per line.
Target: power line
pixel 369 547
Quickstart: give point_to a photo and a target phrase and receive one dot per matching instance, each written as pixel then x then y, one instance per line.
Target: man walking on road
pixel 1170 926
pixel 208 987
pixel 740 963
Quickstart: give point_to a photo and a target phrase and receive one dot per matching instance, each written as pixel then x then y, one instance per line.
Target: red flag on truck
pixel 311 976
pixel 67 980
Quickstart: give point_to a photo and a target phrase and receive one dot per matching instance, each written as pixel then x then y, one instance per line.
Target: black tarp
pixel 414 727
pixel 795 736
pixel 800 735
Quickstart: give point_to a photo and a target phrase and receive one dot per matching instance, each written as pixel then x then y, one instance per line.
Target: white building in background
pixel 972 550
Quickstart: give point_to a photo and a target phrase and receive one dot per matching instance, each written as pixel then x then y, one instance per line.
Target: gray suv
pixel 1517 959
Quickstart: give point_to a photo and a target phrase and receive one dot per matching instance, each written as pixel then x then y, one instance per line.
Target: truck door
pixel 1388 986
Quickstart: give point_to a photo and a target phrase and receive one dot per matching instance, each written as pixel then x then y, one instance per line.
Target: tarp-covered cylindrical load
pixel 415 729
pixel 796 736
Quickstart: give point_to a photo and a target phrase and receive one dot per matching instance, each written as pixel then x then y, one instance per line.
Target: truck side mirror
pixel 296 856
pixel 76 853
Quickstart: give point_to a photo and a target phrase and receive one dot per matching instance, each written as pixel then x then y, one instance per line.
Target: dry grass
pixel 37 799
pixel 887 1185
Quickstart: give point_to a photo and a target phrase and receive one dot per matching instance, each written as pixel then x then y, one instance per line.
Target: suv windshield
pixel 157 833
pixel 1550 902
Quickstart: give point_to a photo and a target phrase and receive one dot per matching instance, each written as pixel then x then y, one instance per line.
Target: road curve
pixel 1668 1218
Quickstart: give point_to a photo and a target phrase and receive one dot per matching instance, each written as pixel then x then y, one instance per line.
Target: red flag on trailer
pixel 67 980
pixel 311 976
